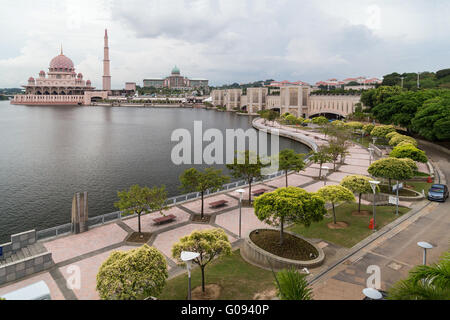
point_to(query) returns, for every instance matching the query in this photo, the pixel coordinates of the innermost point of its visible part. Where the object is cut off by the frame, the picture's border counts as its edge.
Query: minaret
(106, 66)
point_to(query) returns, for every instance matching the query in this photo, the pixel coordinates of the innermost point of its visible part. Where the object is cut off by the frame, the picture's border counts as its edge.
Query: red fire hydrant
(429, 180)
(371, 224)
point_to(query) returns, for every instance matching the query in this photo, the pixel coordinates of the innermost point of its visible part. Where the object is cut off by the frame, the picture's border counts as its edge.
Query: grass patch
(421, 174)
(238, 279)
(358, 226)
(419, 186)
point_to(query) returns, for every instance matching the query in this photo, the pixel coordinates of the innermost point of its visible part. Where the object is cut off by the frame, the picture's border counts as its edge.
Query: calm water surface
(50, 153)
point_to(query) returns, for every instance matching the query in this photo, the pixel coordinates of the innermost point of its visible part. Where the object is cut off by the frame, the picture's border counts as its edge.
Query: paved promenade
(86, 252)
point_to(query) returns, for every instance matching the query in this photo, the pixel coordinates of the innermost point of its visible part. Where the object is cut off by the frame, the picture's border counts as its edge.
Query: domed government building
(176, 81)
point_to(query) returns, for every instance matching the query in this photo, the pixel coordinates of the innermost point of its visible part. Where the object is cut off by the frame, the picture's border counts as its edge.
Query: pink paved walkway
(76, 245)
(101, 239)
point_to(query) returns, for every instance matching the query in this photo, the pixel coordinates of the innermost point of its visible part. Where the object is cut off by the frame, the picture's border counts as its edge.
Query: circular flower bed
(263, 249)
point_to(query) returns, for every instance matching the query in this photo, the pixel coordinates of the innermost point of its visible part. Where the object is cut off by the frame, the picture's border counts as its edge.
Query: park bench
(164, 219)
(259, 192)
(218, 204)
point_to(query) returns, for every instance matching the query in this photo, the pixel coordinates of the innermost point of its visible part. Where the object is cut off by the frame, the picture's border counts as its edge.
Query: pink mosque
(61, 85)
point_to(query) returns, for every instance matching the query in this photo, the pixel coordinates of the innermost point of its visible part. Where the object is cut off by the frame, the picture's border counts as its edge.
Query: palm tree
(425, 283)
(292, 285)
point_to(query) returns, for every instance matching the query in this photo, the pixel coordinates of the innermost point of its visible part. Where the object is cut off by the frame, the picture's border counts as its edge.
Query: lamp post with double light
(374, 185)
(188, 257)
(241, 196)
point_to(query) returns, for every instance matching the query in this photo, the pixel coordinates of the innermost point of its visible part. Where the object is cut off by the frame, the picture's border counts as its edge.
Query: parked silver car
(438, 192)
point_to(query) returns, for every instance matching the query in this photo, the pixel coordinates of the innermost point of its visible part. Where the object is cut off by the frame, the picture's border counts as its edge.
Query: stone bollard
(80, 214)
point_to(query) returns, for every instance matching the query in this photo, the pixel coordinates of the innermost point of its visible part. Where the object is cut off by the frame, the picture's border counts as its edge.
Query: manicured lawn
(238, 279)
(358, 226)
(419, 186)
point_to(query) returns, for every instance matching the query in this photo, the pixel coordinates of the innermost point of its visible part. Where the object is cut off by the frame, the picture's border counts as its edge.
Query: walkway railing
(115, 216)
(66, 229)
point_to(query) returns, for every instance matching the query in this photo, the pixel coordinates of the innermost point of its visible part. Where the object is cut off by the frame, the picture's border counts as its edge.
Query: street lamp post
(325, 170)
(188, 257)
(374, 140)
(425, 246)
(241, 196)
(374, 185)
(372, 294)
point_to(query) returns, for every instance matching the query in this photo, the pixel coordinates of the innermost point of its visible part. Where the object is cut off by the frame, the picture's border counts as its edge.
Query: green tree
(425, 283)
(392, 134)
(139, 200)
(409, 151)
(292, 285)
(400, 109)
(335, 150)
(385, 92)
(382, 131)
(357, 184)
(354, 125)
(320, 121)
(321, 156)
(210, 180)
(336, 195)
(270, 115)
(399, 138)
(249, 168)
(289, 204)
(290, 161)
(208, 243)
(368, 128)
(411, 163)
(391, 168)
(432, 120)
(134, 275)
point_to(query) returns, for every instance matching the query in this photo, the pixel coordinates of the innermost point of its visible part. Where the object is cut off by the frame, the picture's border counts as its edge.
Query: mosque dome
(88, 83)
(61, 62)
(175, 70)
(30, 79)
(80, 76)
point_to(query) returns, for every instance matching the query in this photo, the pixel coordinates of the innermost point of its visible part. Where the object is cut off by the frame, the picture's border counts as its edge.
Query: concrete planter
(253, 254)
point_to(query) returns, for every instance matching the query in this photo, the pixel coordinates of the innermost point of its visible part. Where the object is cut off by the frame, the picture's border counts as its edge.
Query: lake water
(50, 153)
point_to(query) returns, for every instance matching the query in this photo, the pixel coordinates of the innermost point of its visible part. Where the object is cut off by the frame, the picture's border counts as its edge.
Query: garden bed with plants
(292, 248)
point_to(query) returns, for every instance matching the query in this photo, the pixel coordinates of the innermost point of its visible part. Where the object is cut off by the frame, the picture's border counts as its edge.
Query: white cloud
(225, 40)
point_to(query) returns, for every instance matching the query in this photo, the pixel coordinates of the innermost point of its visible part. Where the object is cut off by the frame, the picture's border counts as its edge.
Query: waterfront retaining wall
(22, 268)
(18, 241)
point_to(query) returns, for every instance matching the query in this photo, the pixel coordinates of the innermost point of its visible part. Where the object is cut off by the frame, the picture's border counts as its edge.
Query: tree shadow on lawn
(358, 228)
(238, 279)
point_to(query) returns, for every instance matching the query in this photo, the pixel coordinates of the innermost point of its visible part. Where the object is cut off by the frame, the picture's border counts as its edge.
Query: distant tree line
(425, 112)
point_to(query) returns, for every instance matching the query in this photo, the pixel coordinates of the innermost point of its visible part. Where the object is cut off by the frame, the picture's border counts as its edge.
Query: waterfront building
(299, 100)
(176, 81)
(359, 83)
(60, 86)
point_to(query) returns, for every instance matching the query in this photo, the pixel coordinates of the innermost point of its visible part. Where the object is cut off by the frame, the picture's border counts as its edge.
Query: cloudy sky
(225, 40)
